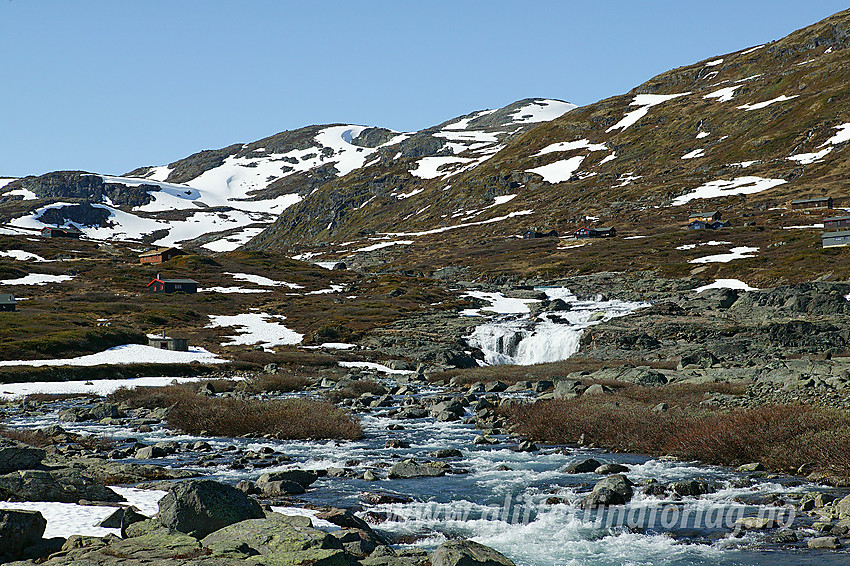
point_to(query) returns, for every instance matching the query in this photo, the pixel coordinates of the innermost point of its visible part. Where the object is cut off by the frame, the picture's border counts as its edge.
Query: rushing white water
(489, 503)
(550, 337)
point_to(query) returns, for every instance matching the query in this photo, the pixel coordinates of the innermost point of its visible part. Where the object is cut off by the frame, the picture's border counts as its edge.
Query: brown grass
(278, 383)
(782, 437)
(288, 419)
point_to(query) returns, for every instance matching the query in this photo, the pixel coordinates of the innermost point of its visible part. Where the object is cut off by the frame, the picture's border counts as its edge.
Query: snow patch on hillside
(256, 328)
(21, 255)
(127, 354)
(724, 94)
(383, 245)
(230, 243)
(645, 101)
(568, 146)
(559, 171)
(766, 103)
(841, 136)
(464, 225)
(694, 154)
(741, 252)
(726, 284)
(541, 111)
(37, 279)
(721, 188)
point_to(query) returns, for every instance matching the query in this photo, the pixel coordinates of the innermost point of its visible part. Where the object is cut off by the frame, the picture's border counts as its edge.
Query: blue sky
(109, 86)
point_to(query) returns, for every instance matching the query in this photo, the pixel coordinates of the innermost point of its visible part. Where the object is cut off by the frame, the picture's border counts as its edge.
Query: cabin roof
(818, 199)
(704, 214)
(835, 234)
(159, 251)
(173, 281)
(836, 218)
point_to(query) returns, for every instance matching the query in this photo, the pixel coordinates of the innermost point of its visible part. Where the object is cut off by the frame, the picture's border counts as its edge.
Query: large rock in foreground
(200, 507)
(278, 539)
(16, 456)
(19, 530)
(467, 553)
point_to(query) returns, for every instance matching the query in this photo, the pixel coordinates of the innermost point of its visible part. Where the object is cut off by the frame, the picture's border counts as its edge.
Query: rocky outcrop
(88, 187)
(467, 553)
(19, 530)
(64, 485)
(16, 456)
(200, 507)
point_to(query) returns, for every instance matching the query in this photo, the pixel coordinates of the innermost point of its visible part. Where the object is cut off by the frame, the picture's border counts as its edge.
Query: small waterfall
(553, 336)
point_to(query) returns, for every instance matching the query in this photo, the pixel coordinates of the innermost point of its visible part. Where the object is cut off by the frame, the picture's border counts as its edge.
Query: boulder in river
(303, 477)
(467, 553)
(411, 469)
(585, 467)
(613, 490)
(19, 530)
(200, 507)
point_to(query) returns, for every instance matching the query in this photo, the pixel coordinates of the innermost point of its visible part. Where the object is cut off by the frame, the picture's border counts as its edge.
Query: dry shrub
(151, 397)
(782, 437)
(288, 419)
(355, 389)
(278, 383)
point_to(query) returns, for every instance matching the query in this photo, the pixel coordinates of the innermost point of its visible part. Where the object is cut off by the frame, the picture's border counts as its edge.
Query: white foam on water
(556, 336)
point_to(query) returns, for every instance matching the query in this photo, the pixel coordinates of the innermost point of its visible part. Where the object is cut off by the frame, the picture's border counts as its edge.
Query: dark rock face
(467, 553)
(19, 530)
(84, 214)
(200, 507)
(83, 186)
(16, 456)
(64, 485)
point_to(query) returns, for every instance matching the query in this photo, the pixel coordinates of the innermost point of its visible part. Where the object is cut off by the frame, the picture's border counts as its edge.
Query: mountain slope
(745, 132)
(218, 199)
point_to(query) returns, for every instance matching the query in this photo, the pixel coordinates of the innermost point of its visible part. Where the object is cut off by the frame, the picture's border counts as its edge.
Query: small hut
(8, 302)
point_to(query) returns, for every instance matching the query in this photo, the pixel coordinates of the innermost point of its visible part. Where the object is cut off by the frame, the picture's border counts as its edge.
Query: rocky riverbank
(351, 512)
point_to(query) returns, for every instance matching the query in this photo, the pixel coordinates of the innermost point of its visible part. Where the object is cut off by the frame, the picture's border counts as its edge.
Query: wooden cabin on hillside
(821, 202)
(706, 217)
(836, 222)
(585, 232)
(8, 303)
(173, 286)
(166, 343)
(54, 232)
(532, 233)
(160, 255)
(703, 225)
(835, 239)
